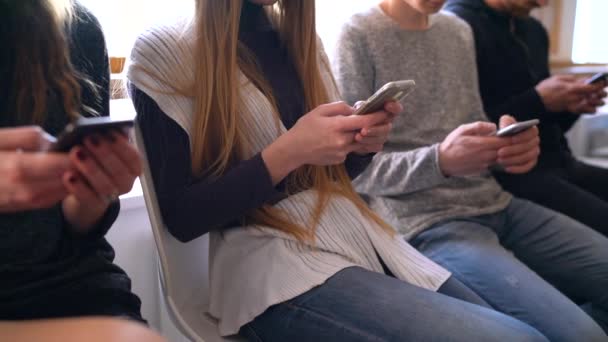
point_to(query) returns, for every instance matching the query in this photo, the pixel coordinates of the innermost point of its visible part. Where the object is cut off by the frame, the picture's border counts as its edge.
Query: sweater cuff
(437, 175)
(535, 102)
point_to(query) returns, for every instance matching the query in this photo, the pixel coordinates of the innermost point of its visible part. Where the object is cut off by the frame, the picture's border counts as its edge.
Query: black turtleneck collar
(254, 18)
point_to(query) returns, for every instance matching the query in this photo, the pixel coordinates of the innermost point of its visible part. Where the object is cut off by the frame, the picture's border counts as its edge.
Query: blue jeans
(359, 305)
(518, 261)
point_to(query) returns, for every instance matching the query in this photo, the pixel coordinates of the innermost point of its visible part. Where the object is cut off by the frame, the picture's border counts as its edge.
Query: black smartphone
(600, 76)
(74, 133)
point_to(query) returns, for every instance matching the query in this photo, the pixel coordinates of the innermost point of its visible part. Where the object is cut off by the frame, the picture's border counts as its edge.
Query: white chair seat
(183, 269)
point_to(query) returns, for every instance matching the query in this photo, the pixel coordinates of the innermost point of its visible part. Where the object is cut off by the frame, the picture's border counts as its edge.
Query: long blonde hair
(218, 134)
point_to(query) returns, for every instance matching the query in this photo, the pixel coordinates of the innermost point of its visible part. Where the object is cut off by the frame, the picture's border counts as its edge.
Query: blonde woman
(56, 208)
(247, 143)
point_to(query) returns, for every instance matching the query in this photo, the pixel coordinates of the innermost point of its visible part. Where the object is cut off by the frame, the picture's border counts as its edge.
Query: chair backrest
(183, 267)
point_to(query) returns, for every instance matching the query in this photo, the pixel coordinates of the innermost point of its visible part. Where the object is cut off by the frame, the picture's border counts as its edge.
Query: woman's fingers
(37, 195)
(393, 107)
(381, 130)
(80, 188)
(357, 122)
(374, 135)
(33, 167)
(114, 167)
(126, 152)
(28, 138)
(93, 174)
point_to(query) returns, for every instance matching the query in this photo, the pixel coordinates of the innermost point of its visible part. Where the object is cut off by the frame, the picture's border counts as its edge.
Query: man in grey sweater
(432, 180)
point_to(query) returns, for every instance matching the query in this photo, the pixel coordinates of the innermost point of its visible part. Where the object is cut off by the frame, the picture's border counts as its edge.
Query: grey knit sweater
(404, 183)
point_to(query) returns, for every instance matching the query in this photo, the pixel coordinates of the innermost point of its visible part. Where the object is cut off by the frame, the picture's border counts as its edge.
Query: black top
(512, 58)
(45, 269)
(192, 207)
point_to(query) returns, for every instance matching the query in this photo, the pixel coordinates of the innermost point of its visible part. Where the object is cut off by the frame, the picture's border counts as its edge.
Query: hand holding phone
(516, 128)
(75, 133)
(392, 91)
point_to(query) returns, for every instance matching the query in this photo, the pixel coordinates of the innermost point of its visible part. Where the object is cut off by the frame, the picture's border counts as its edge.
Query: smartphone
(517, 127)
(74, 133)
(392, 91)
(601, 76)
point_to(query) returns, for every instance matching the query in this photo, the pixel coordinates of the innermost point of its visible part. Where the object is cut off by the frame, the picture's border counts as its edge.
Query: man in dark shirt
(512, 51)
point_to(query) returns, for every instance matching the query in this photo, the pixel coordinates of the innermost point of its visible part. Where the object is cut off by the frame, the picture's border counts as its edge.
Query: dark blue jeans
(359, 305)
(519, 260)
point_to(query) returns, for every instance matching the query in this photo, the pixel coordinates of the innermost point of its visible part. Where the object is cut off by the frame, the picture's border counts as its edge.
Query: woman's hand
(372, 139)
(324, 136)
(521, 155)
(106, 167)
(29, 179)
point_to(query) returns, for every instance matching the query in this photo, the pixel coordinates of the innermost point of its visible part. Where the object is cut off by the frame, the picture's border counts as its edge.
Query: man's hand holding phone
(569, 93)
(521, 153)
(472, 149)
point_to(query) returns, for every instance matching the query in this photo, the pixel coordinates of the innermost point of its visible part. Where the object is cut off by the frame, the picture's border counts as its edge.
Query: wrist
(443, 163)
(82, 217)
(541, 94)
(281, 158)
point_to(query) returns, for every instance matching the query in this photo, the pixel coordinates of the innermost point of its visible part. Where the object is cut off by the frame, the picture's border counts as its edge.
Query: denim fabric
(575, 189)
(359, 305)
(518, 261)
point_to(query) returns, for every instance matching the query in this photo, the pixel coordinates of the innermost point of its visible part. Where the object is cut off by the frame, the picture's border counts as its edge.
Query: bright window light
(124, 20)
(591, 26)
(332, 14)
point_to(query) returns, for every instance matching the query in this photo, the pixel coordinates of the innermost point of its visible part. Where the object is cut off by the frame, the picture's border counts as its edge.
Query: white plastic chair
(184, 287)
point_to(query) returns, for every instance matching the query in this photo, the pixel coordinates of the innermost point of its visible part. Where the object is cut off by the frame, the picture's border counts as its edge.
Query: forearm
(190, 206)
(398, 173)
(207, 205)
(280, 159)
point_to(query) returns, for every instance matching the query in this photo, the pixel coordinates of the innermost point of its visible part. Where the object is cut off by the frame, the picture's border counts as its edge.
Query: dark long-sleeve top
(45, 269)
(192, 207)
(512, 58)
